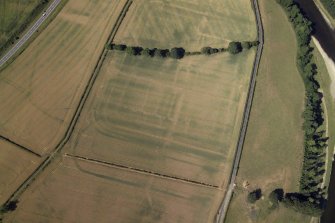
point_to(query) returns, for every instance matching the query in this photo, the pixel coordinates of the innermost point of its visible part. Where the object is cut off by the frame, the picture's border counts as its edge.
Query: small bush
(120, 47)
(235, 47)
(177, 53)
(11, 206)
(134, 50)
(131, 50)
(275, 197)
(246, 45)
(147, 52)
(160, 53)
(209, 50)
(206, 50)
(109, 46)
(254, 196)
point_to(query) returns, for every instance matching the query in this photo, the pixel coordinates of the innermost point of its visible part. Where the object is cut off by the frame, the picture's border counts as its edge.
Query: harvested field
(180, 118)
(79, 191)
(191, 24)
(15, 166)
(41, 88)
(171, 118)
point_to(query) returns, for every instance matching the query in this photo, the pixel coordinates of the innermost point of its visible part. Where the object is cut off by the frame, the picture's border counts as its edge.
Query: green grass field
(273, 150)
(191, 24)
(15, 13)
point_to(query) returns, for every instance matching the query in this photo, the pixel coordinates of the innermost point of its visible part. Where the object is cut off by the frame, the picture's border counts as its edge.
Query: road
(76, 115)
(230, 189)
(30, 32)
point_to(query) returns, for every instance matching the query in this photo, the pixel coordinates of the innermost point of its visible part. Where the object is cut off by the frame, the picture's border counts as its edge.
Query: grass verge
(33, 37)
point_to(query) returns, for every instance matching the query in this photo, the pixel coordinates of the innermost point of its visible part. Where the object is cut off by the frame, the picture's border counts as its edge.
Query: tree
(177, 53)
(246, 45)
(158, 53)
(276, 196)
(131, 50)
(147, 52)
(254, 196)
(120, 47)
(11, 206)
(206, 50)
(209, 50)
(235, 47)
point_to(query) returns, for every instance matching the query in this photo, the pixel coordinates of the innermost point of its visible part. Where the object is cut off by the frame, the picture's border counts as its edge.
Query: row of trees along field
(310, 199)
(179, 52)
(330, 6)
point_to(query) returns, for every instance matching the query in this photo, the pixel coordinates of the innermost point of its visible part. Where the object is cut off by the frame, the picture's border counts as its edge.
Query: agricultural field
(162, 132)
(42, 87)
(180, 118)
(15, 166)
(15, 14)
(78, 191)
(273, 149)
(191, 24)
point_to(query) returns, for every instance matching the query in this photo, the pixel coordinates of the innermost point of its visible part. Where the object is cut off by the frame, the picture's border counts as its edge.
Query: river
(326, 37)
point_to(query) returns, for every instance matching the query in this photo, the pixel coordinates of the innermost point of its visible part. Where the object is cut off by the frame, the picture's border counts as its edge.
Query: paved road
(224, 206)
(30, 32)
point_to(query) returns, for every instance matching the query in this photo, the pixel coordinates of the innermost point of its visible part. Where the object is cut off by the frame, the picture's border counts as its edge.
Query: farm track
(77, 113)
(222, 212)
(142, 171)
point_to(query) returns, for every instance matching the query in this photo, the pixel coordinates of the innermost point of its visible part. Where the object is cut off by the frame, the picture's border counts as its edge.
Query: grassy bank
(328, 106)
(326, 14)
(273, 149)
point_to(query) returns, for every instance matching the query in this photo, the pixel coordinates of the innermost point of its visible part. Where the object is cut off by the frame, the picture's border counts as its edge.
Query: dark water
(322, 31)
(326, 37)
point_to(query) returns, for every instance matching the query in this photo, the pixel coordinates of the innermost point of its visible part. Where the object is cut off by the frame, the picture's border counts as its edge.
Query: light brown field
(173, 117)
(191, 24)
(41, 88)
(180, 118)
(78, 191)
(15, 166)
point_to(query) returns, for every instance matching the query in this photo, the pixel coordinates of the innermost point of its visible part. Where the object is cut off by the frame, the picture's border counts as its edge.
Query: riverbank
(328, 18)
(330, 65)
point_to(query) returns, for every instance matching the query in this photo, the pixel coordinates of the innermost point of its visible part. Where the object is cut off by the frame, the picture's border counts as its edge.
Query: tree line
(299, 202)
(310, 197)
(234, 47)
(330, 6)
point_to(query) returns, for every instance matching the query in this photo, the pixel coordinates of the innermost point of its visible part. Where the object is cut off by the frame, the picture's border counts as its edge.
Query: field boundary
(20, 146)
(16, 194)
(142, 171)
(230, 187)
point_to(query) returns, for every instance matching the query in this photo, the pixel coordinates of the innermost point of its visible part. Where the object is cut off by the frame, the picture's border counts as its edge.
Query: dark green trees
(275, 197)
(310, 197)
(254, 196)
(234, 47)
(177, 53)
